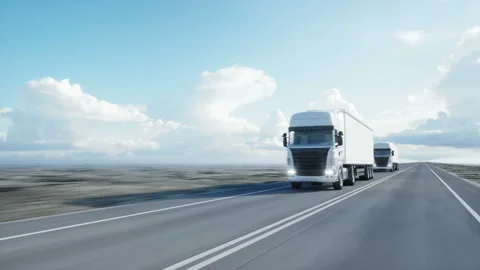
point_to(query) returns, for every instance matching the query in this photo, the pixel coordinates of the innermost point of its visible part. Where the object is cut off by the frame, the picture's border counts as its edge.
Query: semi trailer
(386, 156)
(329, 147)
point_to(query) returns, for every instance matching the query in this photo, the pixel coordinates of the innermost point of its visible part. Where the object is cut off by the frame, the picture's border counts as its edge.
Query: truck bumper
(312, 179)
(376, 168)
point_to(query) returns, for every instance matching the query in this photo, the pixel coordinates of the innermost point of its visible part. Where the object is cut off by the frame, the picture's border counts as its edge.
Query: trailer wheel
(339, 184)
(366, 173)
(351, 177)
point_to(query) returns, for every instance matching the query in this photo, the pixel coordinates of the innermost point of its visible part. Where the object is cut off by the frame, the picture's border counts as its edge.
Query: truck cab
(386, 156)
(316, 150)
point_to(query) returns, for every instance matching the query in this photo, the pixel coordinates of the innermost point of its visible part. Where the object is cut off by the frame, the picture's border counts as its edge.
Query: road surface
(418, 218)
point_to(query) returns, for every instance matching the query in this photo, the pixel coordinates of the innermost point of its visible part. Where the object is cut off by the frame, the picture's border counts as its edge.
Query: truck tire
(396, 166)
(372, 174)
(295, 185)
(351, 177)
(339, 184)
(366, 173)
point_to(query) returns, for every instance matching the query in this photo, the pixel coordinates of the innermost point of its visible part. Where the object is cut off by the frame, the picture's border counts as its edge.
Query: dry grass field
(470, 172)
(37, 191)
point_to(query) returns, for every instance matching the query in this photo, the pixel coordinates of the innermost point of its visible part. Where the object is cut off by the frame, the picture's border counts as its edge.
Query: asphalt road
(420, 218)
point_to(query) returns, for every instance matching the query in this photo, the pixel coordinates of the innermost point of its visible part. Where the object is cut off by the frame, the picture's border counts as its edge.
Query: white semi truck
(386, 156)
(328, 147)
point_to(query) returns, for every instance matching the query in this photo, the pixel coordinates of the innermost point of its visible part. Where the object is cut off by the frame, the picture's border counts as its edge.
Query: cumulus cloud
(62, 99)
(457, 125)
(410, 37)
(223, 91)
(333, 99)
(59, 115)
(5, 110)
(270, 136)
(468, 43)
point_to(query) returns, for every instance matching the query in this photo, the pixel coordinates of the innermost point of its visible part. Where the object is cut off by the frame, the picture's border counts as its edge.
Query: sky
(216, 81)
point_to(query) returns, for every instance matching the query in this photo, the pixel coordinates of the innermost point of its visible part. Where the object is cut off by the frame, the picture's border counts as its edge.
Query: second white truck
(328, 147)
(386, 156)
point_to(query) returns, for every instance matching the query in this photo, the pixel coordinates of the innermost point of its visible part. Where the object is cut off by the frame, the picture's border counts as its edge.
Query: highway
(417, 218)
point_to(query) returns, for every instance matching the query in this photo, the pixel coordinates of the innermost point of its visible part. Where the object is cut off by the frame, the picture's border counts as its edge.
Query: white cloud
(413, 99)
(471, 34)
(410, 37)
(5, 110)
(270, 136)
(439, 154)
(478, 61)
(443, 69)
(469, 42)
(58, 115)
(456, 125)
(424, 105)
(61, 99)
(333, 99)
(227, 89)
(3, 136)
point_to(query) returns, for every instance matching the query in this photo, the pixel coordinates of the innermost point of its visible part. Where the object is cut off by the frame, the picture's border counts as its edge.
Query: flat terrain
(418, 218)
(37, 191)
(469, 172)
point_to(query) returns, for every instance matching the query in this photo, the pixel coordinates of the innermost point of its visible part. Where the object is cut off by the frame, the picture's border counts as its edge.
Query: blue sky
(379, 56)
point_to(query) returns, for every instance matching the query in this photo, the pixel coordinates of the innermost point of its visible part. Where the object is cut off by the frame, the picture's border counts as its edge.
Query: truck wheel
(372, 174)
(339, 184)
(396, 166)
(296, 185)
(351, 177)
(366, 173)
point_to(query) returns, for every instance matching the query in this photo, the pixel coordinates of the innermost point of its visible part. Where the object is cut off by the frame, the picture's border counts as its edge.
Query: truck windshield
(311, 137)
(381, 152)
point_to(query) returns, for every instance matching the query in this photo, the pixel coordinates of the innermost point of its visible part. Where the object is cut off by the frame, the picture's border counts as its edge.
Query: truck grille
(310, 162)
(381, 161)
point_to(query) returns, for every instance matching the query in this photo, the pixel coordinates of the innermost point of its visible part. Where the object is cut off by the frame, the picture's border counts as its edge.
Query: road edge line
(86, 211)
(134, 215)
(475, 184)
(464, 204)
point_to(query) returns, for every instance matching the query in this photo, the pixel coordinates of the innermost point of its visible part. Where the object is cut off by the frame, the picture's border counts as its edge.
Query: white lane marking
(477, 185)
(137, 214)
(469, 209)
(186, 196)
(235, 241)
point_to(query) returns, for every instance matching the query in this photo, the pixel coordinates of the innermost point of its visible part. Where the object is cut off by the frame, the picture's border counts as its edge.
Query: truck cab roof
(313, 118)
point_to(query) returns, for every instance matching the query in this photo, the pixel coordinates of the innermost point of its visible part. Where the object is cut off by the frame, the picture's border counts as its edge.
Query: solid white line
(136, 214)
(185, 196)
(235, 241)
(477, 185)
(469, 209)
(265, 235)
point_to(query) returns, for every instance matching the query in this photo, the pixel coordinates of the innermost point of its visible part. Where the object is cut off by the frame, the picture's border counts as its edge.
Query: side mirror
(339, 141)
(393, 153)
(284, 135)
(340, 133)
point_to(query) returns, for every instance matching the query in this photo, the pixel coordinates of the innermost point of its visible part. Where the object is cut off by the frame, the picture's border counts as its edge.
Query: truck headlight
(291, 172)
(374, 165)
(329, 172)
